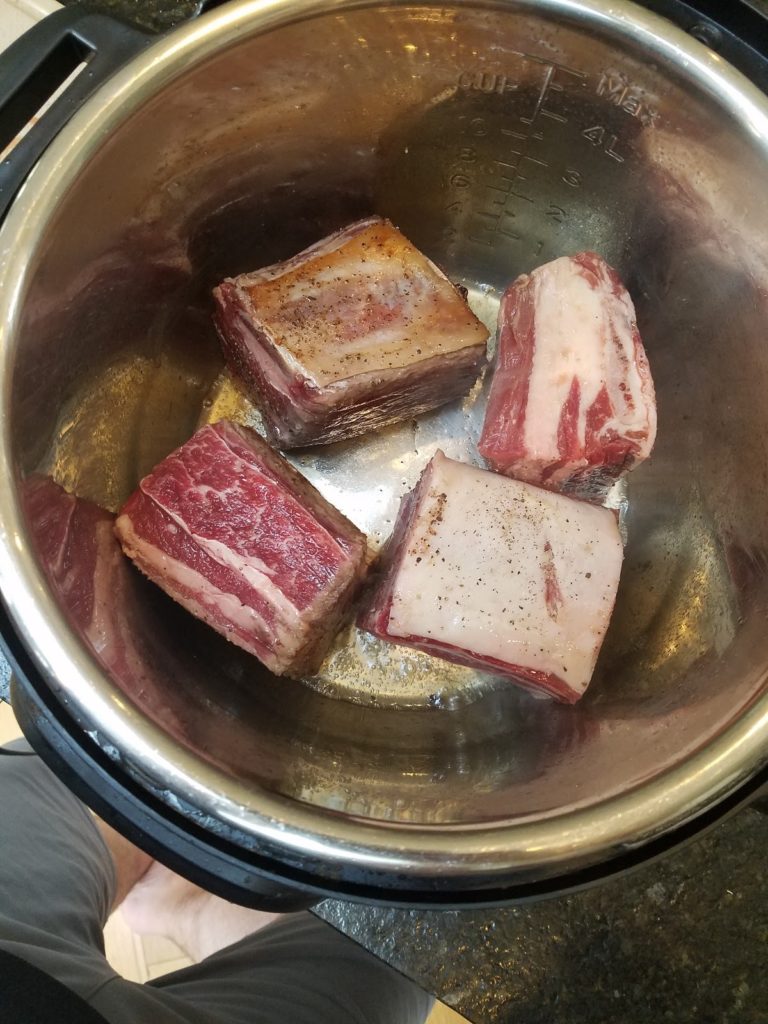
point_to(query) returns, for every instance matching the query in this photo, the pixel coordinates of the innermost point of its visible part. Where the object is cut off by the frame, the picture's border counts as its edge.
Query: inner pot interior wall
(495, 140)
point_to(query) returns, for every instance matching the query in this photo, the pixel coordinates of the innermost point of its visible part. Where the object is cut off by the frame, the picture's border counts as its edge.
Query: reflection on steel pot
(497, 136)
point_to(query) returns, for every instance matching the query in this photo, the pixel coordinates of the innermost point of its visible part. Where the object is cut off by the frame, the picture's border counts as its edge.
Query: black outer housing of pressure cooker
(211, 854)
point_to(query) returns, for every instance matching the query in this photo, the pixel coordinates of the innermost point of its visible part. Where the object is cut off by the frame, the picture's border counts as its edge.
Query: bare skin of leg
(155, 901)
(164, 903)
(130, 862)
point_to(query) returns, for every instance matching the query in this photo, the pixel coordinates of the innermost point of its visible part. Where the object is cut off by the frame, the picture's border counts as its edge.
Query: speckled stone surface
(682, 940)
(151, 15)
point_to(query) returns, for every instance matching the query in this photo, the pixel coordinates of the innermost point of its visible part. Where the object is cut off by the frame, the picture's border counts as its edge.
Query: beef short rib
(239, 538)
(356, 332)
(572, 404)
(500, 576)
(75, 542)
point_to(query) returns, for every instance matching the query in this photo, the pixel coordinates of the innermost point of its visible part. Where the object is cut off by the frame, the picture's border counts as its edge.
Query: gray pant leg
(308, 973)
(57, 879)
(57, 883)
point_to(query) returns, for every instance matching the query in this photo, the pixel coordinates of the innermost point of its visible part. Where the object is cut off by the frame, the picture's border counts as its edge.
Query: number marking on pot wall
(500, 189)
(504, 174)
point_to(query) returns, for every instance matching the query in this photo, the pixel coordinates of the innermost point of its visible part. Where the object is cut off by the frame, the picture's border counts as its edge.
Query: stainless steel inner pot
(497, 136)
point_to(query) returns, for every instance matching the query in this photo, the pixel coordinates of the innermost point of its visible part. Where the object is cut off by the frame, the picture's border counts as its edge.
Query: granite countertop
(683, 939)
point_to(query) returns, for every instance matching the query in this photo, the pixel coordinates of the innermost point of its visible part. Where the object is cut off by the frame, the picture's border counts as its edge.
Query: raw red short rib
(356, 332)
(76, 545)
(572, 404)
(233, 533)
(501, 576)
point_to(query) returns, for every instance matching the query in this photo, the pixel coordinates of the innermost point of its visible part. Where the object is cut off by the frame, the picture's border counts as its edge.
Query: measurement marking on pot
(618, 90)
(535, 160)
(492, 193)
(537, 136)
(604, 140)
(487, 82)
(498, 164)
(572, 177)
(501, 82)
(555, 213)
(553, 116)
(501, 182)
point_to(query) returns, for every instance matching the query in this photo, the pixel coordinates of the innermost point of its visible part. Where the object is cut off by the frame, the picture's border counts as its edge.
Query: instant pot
(496, 135)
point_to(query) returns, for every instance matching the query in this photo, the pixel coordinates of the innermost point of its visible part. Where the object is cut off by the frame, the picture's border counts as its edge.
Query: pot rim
(294, 831)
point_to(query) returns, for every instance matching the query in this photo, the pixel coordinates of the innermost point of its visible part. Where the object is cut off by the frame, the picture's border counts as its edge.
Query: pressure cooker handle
(36, 65)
